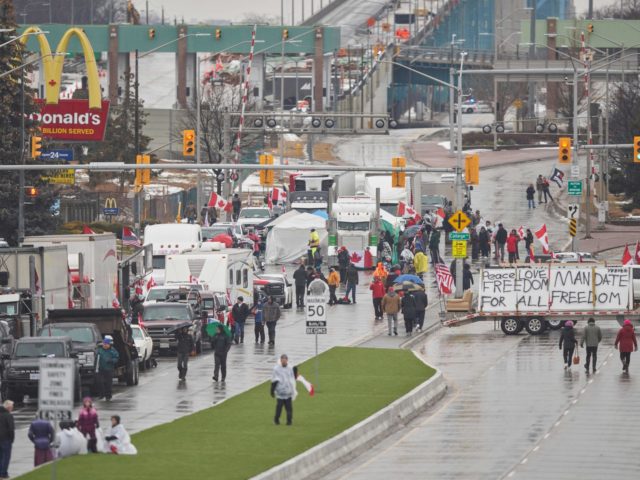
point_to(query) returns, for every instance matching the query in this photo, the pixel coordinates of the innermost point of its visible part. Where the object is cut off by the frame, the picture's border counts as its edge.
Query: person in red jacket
(626, 343)
(512, 246)
(377, 292)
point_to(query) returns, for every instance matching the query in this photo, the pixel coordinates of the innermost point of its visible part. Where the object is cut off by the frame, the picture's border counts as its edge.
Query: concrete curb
(362, 436)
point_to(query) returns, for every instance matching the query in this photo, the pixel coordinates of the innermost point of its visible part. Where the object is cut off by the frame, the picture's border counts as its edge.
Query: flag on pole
(558, 177)
(130, 238)
(217, 201)
(270, 200)
(278, 196)
(151, 283)
(438, 221)
(532, 257)
(543, 238)
(405, 210)
(627, 259)
(636, 257)
(444, 279)
(521, 232)
(86, 230)
(308, 385)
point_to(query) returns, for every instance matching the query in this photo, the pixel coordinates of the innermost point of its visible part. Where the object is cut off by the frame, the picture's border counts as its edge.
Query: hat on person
(107, 340)
(241, 298)
(568, 323)
(627, 322)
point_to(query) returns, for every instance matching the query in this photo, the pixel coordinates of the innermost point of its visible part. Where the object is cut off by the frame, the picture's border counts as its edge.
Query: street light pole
(459, 179)
(21, 174)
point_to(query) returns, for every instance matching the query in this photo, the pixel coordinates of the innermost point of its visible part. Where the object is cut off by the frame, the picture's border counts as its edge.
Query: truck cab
(161, 320)
(22, 373)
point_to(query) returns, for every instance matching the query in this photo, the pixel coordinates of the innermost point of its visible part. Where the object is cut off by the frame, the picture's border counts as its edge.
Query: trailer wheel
(555, 324)
(511, 326)
(534, 326)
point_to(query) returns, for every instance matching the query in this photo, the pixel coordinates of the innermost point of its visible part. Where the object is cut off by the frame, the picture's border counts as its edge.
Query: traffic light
(266, 176)
(472, 169)
(138, 181)
(36, 146)
(285, 34)
(152, 33)
(188, 143)
(590, 28)
(143, 176)
(31, 192)
(218, 33)
(636, 149)
(564, 150)
(398, 178)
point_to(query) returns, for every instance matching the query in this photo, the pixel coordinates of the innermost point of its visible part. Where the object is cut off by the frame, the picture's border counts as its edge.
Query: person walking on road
(530, 196)
(7, 436)
(377, 293)
(352, 282)
(512, 246)
(240, 312)
(221, 343)
(545, 190)
(467, 277)
(334, 282)
(434, 246)
(591, 336)
(87, 424)
(300, 280)
(283, 386)
(258, 323)
(568, 343)
(420, 263)
(41, 434)
(501, 240)
(539, 187)
(391, 305)
(107, 361)
(343, 262)
(236, 205)
(626, 343)
(271, 315)
(484, 241)
(408, 311)
(184, 349)
(421, 301)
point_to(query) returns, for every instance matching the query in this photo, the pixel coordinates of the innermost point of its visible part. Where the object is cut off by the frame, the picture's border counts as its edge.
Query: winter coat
(421, 263)
(530, 193)
(528, 241)
(377, 289)
(483, 238)
(568, 338)
(434, 240)
(122, 441)
(107, 359)
(409, 306)
(300, 277)
(391, 303)
(626, 339)
(88, 421)
(467, 279)
(512, 243)
(271, 312)
(185, 343)
(592, 335)
(539, 184)
(352, 275)
(501, 235)
(221, 344)
(343, 258)
(334, 279)
(41, 434)
(421, 300)
(7, 427)
(283, 383)
(240, 312)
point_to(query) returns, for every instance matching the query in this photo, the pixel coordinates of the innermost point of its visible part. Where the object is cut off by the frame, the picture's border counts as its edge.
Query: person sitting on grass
(118, 440)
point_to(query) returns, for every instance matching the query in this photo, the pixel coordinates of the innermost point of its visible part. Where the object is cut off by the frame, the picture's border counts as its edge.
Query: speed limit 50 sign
(316, 315)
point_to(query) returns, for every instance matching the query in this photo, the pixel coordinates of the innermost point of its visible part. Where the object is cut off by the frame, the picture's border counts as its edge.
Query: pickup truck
(22, 372)
(161, 320)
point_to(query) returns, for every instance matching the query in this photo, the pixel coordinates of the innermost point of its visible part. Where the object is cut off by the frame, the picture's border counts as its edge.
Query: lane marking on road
(557, 423)
(547, 435)
(582, 391)
(536, 448)
(575, 401)
(513, 472)
(566, 412)
(524, 460)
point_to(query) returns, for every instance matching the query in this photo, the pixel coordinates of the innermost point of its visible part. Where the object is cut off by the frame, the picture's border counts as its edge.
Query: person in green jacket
(107, 362)
(434, 246)
(592, 336)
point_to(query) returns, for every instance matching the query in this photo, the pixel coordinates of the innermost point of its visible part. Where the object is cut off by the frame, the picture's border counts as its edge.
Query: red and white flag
(86, 230)
(444, 279)
(278, 196)
(521, 232)
(405, 210)
(636, 257)
(193, 279)
(543, 238)
(219, 66)
(438, 220)
(308, 385)
(532, 257)
(217, 201)
(151, 283)
(627, 259)
(361, 259)
(270, 200)
(130, 238)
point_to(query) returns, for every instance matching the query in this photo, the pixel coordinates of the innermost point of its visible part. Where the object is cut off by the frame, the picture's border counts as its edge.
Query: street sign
(575, 171)
(573, 211)
(66, 155)
(573, 227)
(574, 187)
(317, 331)
(459, 248)
(56, 386)
(458, 236)
(316, 323)
(61, 177)
(316, 309)
(110, 207)
(459, 221)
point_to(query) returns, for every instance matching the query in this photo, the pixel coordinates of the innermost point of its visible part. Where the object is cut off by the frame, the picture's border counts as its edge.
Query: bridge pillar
(185, 71)
(553, 93)
(257, 80)
(117, 64)
(318, 70)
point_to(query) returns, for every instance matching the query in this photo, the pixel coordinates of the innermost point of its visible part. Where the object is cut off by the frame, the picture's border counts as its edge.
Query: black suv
(22, 371)
(161, 320)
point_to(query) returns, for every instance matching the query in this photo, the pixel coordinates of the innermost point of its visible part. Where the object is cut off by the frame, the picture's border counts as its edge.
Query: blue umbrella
(322, 214)
(411, 231)
(409, 278)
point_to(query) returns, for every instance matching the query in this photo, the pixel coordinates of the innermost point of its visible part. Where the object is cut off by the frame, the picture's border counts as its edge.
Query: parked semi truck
(168, 239)
(538, 297)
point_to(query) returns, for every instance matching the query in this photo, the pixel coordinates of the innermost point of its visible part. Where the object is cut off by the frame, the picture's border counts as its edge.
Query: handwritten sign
(541, 289)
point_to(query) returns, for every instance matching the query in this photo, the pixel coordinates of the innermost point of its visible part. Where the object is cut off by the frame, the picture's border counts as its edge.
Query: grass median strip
(237, 439)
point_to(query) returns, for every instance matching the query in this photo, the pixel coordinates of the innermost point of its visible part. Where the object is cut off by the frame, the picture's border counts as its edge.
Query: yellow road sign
(62, 177)
(573, 227)
(459, 221)
(459, 248)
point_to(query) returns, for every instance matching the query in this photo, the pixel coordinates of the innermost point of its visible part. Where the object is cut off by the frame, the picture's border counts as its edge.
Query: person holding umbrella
(184, 349)
(221, 343)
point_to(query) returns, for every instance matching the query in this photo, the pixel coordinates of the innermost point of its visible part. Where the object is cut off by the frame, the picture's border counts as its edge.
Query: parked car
(159, 292)
(227, 228)
(278, 287)
(252, 216)
(161, 320)
(144, 345)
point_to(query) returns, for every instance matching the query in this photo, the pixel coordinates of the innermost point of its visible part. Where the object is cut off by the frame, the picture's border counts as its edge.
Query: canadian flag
(521, 232)
(278, 195)
(438, 220)
(627, 259)
(532, 257)
(86, 230)
(405, 210)
(219, 66)
(543, 238)
(193, 279)
(217, 201)
(308, 385)
(151, 283)
(361, 259)
(636, 257)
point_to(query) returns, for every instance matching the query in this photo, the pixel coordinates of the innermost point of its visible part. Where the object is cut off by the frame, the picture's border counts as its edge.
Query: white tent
(288, 240)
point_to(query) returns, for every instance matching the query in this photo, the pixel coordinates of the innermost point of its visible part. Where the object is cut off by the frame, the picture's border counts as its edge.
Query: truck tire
(511, 326)
(534, 325)
(198, 347)
(555, 324)
(131, 375)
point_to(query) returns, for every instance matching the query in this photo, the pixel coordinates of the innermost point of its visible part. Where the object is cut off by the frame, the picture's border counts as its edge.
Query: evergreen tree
(38, 214)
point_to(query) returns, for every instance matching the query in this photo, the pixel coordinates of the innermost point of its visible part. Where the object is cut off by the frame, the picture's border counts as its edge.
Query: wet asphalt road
(512, 411)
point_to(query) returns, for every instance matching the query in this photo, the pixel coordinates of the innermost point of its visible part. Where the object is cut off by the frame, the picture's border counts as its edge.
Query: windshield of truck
(211, 232)
(208, 304)
(48, 349)
(433, 200)
(77, 334)
(158, 262)
(254, 213)
(165, 312)
(157, 294)
(390, 208)
(9, 308)
(353, 226)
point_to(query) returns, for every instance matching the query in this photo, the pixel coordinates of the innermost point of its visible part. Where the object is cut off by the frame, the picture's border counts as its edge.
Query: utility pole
(22, 160)
(532, 52)
(136, 140)
(459, 179)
